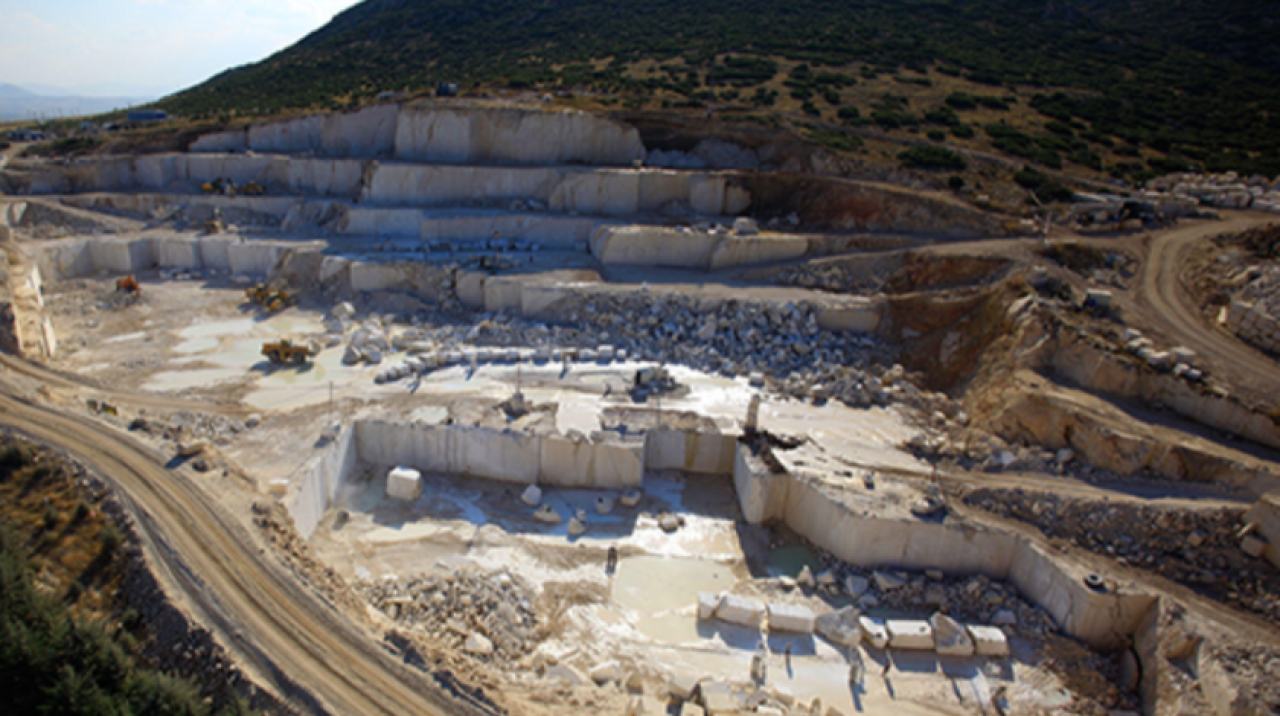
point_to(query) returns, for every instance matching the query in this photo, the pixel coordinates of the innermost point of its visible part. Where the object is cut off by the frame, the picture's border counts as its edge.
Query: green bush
(936, 135)
(961, 100)
(932, 158)
(51, 663)
(840, 141)
(1045, 189)
(945, 116)
(962, 131)
(955, 182)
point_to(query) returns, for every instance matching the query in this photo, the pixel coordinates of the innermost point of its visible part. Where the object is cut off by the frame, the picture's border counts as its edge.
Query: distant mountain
(9, 91)
(18, 103)
(1194, 78)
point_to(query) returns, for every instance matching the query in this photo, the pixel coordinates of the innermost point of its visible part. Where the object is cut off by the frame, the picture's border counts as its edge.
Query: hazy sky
(146, 47)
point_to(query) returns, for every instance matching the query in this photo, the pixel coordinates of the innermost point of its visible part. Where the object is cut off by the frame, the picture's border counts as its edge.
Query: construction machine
(129, 285)
(219, 186)
(272, 299)
(285, 352)
(253, 188)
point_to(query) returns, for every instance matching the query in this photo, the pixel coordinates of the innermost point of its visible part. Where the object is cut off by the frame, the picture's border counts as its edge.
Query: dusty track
(287, 638)
(1164, 298)
(150, 401)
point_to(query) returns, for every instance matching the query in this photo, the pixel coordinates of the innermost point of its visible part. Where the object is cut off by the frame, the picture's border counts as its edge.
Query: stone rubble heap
(1203, 549)
(1225, 191)
(1254, 313)
(781, 345)
(488, 615)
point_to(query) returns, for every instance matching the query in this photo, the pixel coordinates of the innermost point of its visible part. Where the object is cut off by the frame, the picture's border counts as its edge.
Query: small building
(447, 89)
(26, 135)
(147, 116)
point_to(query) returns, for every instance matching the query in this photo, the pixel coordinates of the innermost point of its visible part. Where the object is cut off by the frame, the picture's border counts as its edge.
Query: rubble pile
(779, 345)
(185, 426)
(1202, 549)
(1226, 191)
(1254, 313)
(488, 615)
(832, 277)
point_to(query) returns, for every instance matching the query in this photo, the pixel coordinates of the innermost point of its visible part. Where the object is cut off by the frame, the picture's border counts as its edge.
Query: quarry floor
(195, 346)
(197, 340)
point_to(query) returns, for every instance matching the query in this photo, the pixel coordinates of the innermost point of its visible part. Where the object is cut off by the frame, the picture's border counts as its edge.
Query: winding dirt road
(1164, 299)
(285, 636)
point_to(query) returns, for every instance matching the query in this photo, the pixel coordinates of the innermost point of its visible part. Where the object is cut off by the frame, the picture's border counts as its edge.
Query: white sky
(145, 47)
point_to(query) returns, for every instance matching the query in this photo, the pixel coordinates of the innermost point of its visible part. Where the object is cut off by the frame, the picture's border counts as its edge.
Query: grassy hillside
(1180, 82)
(68, 645)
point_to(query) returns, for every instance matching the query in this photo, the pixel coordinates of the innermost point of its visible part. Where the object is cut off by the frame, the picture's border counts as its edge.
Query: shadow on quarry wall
(847, 205)
(921, 273)
(945, 337)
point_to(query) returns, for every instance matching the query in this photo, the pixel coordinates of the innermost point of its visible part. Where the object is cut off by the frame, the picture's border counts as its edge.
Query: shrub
(956, 182)
(961, 100)
(932, 158)
(936, 135)
(839, 141)
(962, 131)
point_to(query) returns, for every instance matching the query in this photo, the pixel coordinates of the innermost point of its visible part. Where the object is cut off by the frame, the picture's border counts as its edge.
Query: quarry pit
(639, 438)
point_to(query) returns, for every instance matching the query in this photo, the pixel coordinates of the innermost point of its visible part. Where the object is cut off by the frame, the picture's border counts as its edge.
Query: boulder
(631, 499)
(1005, 617)
(874, 631)
(840, 627)
(949, 637)
(856, 586)
(606, 673)
(604, 505)
(1253, 545)
(745, 226)
(683, 686)
(532, 496)
(547, 515)
(805, 578)
(576, 527)
(567, 674)
(708, 602)
(478, 644)
(887, 582)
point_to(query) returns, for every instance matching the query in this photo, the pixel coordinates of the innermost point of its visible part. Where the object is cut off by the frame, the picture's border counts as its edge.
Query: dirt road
(282, 634)
(1164, 299)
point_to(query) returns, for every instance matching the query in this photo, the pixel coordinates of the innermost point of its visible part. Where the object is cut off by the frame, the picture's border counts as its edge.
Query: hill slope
(1191, 82)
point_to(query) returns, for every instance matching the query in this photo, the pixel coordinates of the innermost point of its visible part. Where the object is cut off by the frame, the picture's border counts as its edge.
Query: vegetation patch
(63, 649)
(925, 157)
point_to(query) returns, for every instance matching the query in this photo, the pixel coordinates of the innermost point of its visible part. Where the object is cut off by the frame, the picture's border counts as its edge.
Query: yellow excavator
(272, 299)
(286, 352)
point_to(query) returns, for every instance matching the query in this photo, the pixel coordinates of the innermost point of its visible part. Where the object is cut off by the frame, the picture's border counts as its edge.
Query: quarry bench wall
(561, 189)
(1101, 619)
(444, 134)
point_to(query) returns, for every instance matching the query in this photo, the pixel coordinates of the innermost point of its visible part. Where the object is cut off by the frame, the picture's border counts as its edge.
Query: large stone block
(741, 610)
(791, 618)
(915, 634)
(988, 641)
(404, 484)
